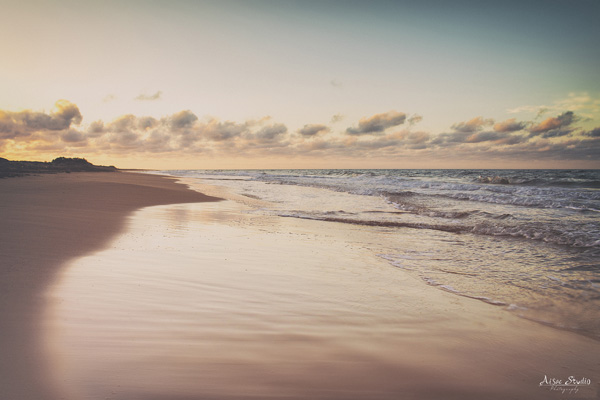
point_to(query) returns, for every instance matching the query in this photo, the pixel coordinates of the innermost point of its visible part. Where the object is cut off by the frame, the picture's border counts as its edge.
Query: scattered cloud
(146, 123)
(449, 139)
(336, 83)
(24, 123)
(586, 105)
(496, 137)
(151, 97)
(61, 132)
(96, 129)
(182, 119)
(474, 125)
(510, 125)
(221, 131)
(524, 109)
(412, 140)
(377, 123)
(485, 137)
(414, 119)
(454, 139)
(595, 133)
(65, 113)
(313, 130)
(540, 113)
(124, 123)
(271, 132)
(554, 126)
(73, 136)
(125, 140)
(109, 98)
(336, 118)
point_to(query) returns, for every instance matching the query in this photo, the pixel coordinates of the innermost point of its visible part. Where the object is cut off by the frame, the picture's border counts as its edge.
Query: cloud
(8, 128)
(525, 109)
(471, 132)
(336, 83)
(474, 125)
(124, 123)
(182, 133)
(96, 128)
(485, 137)
(512, 140)
(109, 98)
(146, 123)
(545, 149)
(336, 118)
(583, 103)
(414, 119)
(182, 119)
(377, 123)
(313, 130)
(554, 126)
(510, 125)
(450, 139)
(158, 142)
(67, 112)
(556, 133)
(73, 136)
(391, 145)
(412, 140)
(152, 97)
(24, 123)
(271, 132)
(221, 131)
(496, 137)
(577, 101)
(595, 133)
(541, 112)
(126, 139)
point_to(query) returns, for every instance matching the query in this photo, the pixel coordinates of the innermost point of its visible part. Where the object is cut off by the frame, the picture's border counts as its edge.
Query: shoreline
(206, 301)
(46, 221)
(430, 344)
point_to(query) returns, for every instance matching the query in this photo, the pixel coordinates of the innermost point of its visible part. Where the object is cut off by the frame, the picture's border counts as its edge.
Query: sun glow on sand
(311, 315)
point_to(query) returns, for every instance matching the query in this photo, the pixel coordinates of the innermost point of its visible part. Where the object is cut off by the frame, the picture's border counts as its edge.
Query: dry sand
(45, 221)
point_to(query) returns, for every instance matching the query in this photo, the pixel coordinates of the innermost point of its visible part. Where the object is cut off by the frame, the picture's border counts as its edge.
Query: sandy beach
(127, 286)
(300, 200)
(46, 221)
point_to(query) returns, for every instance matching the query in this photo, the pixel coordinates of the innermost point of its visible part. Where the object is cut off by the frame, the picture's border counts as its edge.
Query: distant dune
(60, 164)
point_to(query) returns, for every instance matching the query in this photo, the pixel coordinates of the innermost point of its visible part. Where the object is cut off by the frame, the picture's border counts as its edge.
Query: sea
(527, 241)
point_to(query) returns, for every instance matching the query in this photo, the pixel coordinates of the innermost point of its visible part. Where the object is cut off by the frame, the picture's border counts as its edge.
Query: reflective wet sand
(46, 221)
(204, 301)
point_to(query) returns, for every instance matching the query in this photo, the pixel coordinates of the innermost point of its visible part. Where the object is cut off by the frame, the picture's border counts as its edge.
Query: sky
(302, 84)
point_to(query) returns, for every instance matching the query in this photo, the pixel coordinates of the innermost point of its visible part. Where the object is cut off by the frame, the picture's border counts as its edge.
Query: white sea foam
(494, 242)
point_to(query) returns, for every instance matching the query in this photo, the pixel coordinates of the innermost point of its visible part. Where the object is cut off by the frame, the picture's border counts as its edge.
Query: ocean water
(524, 240)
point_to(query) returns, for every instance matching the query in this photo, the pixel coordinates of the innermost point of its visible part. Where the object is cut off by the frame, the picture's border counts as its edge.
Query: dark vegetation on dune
(58, 165)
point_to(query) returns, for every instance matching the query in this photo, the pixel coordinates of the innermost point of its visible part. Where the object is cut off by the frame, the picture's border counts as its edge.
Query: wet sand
(46, 221)
(205, 301)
